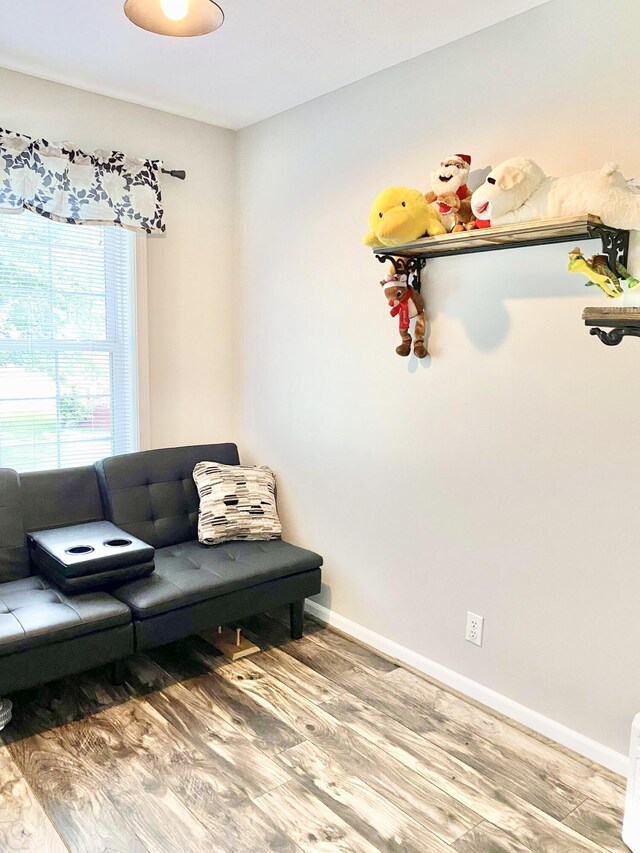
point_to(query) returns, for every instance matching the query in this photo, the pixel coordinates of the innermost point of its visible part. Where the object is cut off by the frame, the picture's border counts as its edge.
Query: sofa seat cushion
(191, 572)
(34, 613)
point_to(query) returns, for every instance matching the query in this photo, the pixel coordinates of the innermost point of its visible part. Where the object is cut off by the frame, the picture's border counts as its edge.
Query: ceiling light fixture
(175, 17)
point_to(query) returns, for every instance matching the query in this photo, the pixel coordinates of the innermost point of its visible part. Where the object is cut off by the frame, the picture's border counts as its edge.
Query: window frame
(135, 350)
(141, 334)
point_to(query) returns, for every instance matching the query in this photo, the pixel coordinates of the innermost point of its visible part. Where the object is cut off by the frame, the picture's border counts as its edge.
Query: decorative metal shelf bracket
(615, 244)
(614, 336)
(409, 266)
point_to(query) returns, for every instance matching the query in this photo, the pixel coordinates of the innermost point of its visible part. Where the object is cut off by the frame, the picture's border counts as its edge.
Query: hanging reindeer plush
(406, 303)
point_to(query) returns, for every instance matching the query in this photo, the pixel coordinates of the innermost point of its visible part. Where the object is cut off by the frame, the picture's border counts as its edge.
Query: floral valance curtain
(63, 183)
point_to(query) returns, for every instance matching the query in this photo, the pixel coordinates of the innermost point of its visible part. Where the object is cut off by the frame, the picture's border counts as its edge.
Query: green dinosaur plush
(599, 273)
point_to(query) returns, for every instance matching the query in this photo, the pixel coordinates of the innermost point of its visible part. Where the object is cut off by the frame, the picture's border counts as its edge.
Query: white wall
(191, 338)
(501, 475)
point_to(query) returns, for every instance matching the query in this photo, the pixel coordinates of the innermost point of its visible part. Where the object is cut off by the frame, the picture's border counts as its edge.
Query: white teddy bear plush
(519, 191)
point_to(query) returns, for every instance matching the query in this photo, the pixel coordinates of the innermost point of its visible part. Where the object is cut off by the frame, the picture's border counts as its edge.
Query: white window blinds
(67, 343)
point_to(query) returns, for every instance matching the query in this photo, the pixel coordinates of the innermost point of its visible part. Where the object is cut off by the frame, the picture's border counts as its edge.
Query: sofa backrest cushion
(14, 558)
(152, 494)
(60, 498)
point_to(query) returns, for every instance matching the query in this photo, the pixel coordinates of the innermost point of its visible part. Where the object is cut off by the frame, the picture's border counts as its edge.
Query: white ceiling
(268, 56)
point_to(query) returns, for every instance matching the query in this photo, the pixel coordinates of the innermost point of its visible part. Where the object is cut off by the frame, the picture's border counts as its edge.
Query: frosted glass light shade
(175, 17)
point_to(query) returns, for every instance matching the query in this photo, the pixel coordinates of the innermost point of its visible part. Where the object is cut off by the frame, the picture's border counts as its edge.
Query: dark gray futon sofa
(181, 587)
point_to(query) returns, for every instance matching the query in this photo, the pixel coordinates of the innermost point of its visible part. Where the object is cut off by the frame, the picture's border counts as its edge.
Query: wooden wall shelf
(413, 256)
(620, 321)
(410, 259)
(505, 237)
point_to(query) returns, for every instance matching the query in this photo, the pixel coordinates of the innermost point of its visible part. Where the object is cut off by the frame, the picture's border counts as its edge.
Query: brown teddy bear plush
(455, 214)
(406, 303)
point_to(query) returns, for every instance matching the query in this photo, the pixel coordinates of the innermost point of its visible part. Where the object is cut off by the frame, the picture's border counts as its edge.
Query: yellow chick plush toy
(400, 215)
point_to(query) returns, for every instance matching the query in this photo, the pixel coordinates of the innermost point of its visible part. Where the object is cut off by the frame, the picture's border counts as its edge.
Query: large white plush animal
(519, 191)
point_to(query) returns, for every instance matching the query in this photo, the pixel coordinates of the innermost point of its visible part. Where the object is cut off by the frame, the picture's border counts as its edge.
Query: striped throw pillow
(236, 502)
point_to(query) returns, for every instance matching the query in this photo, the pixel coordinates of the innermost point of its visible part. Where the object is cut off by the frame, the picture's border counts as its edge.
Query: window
(67, 343)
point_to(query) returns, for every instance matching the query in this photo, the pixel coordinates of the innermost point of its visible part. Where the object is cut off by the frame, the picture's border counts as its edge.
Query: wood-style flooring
(314, 745)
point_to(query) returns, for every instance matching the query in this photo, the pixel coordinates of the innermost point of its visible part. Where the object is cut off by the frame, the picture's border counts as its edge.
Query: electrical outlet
(475, 628)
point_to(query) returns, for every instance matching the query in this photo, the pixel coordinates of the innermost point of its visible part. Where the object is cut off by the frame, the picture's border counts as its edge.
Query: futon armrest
(90, 556)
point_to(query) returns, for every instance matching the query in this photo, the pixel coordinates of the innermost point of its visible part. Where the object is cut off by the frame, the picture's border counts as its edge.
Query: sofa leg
(117, 674)
(5, 713)
(296, 611)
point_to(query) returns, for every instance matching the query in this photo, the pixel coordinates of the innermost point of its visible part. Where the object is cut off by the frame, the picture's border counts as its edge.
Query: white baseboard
(558, 732)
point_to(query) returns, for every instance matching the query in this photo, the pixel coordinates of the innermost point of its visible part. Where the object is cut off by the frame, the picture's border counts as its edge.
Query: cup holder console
(106, 555)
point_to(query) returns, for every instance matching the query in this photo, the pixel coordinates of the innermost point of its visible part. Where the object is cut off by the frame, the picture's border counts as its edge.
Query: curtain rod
(180, 174)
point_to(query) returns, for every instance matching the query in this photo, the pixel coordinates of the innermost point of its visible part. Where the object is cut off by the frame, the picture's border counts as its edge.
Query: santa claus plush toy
(451, 179)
